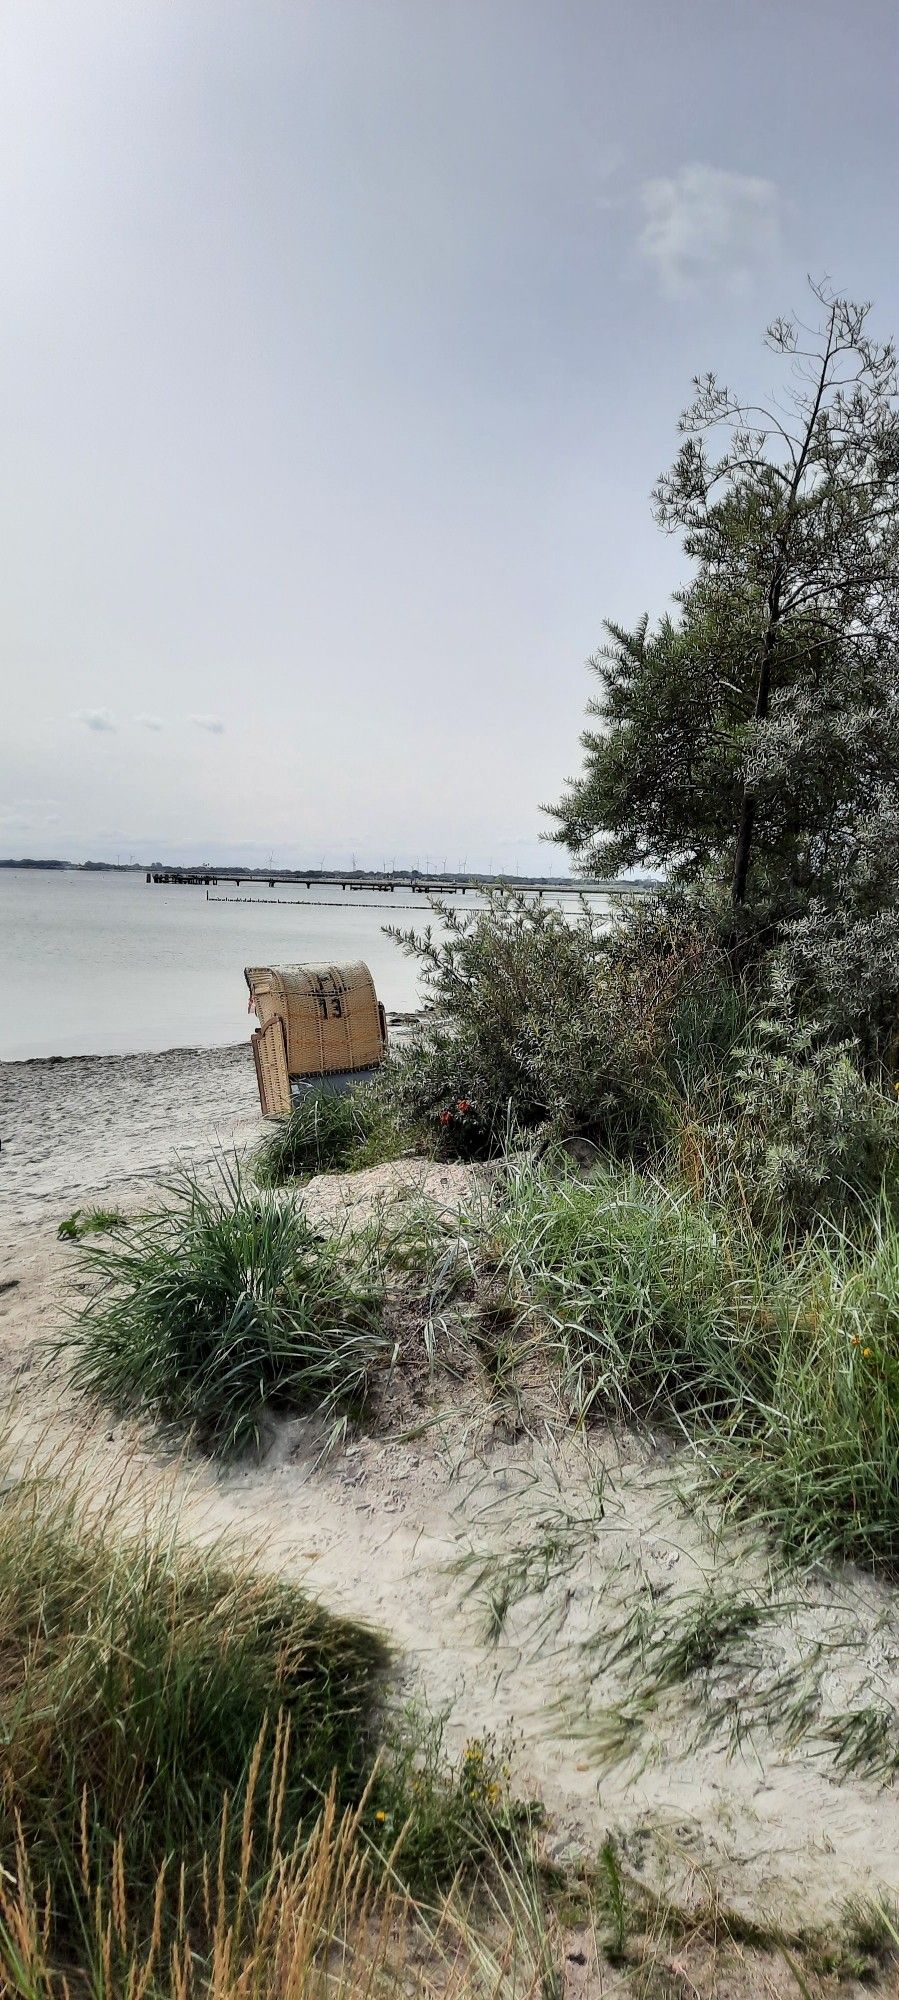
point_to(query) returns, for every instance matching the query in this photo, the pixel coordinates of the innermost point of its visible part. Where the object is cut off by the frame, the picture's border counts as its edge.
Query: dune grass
(141, 1682)
(783, 1357)
(219, 1307)
(320, 1923)
(90, 1222)
(328, 1132)
(174, 1726)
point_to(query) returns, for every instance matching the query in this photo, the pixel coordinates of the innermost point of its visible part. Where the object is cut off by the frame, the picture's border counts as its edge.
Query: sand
(422, 1526)
(89, 1125)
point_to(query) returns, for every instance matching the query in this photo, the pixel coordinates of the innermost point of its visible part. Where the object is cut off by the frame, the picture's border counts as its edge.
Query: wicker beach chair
(318, 1024)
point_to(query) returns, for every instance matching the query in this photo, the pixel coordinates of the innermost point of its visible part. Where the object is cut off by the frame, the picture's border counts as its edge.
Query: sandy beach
(84, 1125)
(405, 1525)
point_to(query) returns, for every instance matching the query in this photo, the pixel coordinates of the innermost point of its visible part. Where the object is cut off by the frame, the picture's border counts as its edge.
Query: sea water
(108, 964)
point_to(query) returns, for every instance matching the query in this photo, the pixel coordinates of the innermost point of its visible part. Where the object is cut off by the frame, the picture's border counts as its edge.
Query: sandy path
(387, 1530)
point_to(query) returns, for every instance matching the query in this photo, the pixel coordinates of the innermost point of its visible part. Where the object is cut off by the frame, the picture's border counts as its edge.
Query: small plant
(449, 1816)
(327, 1132)
(870, 1938)
(221, 1307)
(865, 1741)
(699, 1634)
(614, 1899)
(91, 1222)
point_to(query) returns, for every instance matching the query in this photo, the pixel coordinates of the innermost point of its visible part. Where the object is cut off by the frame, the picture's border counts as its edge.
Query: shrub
(842, 967)
(219, 1307)
(541, 1023)
(327, 1132)
(812, 1134)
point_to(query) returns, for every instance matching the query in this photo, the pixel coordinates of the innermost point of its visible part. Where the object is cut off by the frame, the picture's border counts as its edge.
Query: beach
(80, 1126)
(394, 1524)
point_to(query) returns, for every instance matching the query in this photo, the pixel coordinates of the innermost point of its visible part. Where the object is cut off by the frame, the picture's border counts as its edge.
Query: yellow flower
(380, 1817)
(866, 1351)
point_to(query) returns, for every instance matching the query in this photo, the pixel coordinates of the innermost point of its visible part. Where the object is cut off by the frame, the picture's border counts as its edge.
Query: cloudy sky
(342, 341)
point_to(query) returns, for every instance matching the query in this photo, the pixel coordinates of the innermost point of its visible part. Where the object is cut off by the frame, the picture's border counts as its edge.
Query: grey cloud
(705, 222)
(94, 718)
(212, 723)
(149, 721)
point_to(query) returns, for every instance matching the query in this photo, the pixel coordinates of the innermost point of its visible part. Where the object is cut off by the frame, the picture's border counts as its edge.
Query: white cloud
(211, 722)
(150, 721)
(94, 718)
(705, 222)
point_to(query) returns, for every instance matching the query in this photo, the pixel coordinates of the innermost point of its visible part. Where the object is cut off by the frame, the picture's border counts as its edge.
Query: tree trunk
(749, 806)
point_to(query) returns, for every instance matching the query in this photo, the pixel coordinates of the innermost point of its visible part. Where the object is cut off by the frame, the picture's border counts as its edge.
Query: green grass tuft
(220, 1308)
(173, 1723)
(783, 1358)
(90, 1222)
(327, 1133)
(136, 1681)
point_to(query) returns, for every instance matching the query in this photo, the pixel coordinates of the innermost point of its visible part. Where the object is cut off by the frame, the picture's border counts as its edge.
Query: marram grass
(219, 1308)
(327, 1132)
(782, 1357)
(202, 1788)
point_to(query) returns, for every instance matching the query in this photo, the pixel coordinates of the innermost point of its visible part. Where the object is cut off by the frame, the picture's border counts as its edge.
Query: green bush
(220, 1307)
(326, 1133)
(543, 1023)
(813, 1135)
(782, 1358)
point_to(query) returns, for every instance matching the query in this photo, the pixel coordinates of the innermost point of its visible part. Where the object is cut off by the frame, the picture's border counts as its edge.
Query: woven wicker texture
(270, 1057)
(330, 1013)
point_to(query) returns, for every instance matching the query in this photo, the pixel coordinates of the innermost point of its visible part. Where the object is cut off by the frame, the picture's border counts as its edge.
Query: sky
(341, 344)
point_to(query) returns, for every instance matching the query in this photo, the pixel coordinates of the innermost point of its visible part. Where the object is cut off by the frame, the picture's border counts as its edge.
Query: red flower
(445, 1117)
(464, 1105)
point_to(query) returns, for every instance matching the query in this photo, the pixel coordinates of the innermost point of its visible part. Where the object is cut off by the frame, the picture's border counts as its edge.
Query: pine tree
(753, 735)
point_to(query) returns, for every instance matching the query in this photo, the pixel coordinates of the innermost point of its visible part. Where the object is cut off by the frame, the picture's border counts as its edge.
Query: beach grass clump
(782, 1356)
(634, 1291)
(141, 1682)
(322, 1917)
(330, 1132)
(220, 1308)
(178, 1735)
(823, 1469)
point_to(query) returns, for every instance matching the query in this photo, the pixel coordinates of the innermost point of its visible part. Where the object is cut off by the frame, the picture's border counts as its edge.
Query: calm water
(105, 965)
